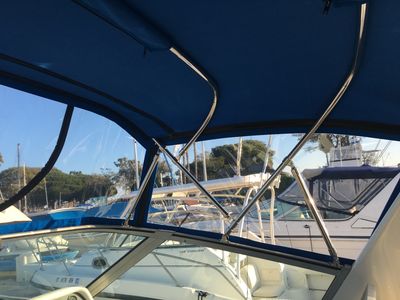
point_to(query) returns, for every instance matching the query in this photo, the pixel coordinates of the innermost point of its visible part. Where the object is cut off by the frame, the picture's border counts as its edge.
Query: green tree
(221, 161)
(126, 176)
(74, 186)
(9, 182)
(1, 159)
(324, 140)
(163, 177)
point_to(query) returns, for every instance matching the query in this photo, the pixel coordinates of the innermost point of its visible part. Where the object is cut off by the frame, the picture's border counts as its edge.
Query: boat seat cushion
(296, 279)
(267, 291)
(272, 279)
(250, 275)
(298, 294)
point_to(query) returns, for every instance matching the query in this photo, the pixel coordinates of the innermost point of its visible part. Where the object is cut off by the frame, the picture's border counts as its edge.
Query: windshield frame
(357, 204)
(155, 237)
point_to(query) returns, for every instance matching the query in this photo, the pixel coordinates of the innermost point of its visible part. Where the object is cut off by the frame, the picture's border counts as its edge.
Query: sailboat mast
(204, 161)
(25, 198)
(196, 174)
(19, 172)
(45, 192)
(267, 152)
(239, 156)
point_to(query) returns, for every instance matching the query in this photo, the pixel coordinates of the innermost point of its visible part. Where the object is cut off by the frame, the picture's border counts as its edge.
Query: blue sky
(94, 142)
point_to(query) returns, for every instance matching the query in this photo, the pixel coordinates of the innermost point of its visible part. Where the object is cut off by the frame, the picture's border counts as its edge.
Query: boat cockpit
(104, 193)
(117, 263)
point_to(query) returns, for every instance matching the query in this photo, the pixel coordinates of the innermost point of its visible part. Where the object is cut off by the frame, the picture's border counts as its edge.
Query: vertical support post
(266, 158)
(239, 156)
(187, 161)
(180, 172)
(260, 224)
(19, 173)
(271, 216)
(246, 200)
(196, 174)
(45, 193)
(25, 199)
(204, 162)
(314, 211)
(135, 156)
(183, 164)
(140, 208)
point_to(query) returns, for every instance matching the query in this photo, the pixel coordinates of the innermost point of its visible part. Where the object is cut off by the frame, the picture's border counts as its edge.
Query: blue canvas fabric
(277, 64)
(105, 215)
(45, 221)
(362, 172)
(121, 15)
(113, 210)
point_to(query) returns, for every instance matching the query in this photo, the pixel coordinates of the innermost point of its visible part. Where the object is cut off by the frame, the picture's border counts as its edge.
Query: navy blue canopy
(363, 172)
(277, 64)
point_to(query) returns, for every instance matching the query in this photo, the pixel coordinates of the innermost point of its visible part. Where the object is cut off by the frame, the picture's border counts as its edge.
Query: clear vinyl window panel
(32, 266)
(226, 168)
(337, 198)
(98, 169)
(95, 175)
(29, 128)
(349, 177)
(184, 271)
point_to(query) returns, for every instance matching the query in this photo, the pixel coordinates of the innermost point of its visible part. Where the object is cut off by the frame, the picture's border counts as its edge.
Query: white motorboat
(350, 199)
(182, 271)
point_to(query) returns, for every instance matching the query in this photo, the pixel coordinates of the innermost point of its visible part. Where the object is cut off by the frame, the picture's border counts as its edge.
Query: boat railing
(32, 249)
(204, 264)
(49, 245)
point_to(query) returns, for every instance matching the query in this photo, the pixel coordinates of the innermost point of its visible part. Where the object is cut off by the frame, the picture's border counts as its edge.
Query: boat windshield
(177, 270)
(338, 192)
(233, 170)
(166, 268)
(31, 266)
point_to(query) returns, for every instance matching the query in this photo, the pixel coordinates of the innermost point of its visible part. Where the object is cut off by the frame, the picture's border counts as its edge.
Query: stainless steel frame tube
(210, 114)
(213, 105)
(306, 137)
(195, 181)
(314, 211)
(133, 203)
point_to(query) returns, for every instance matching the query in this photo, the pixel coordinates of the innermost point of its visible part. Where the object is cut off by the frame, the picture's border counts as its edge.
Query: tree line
(78, 187)
(73, 186)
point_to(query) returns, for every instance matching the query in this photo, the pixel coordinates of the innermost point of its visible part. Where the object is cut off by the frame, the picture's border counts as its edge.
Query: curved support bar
(213, 106)
(49, 164)
(194, 180)
(308, 198)
(305, 138)
(134, 202)
(130, 209)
